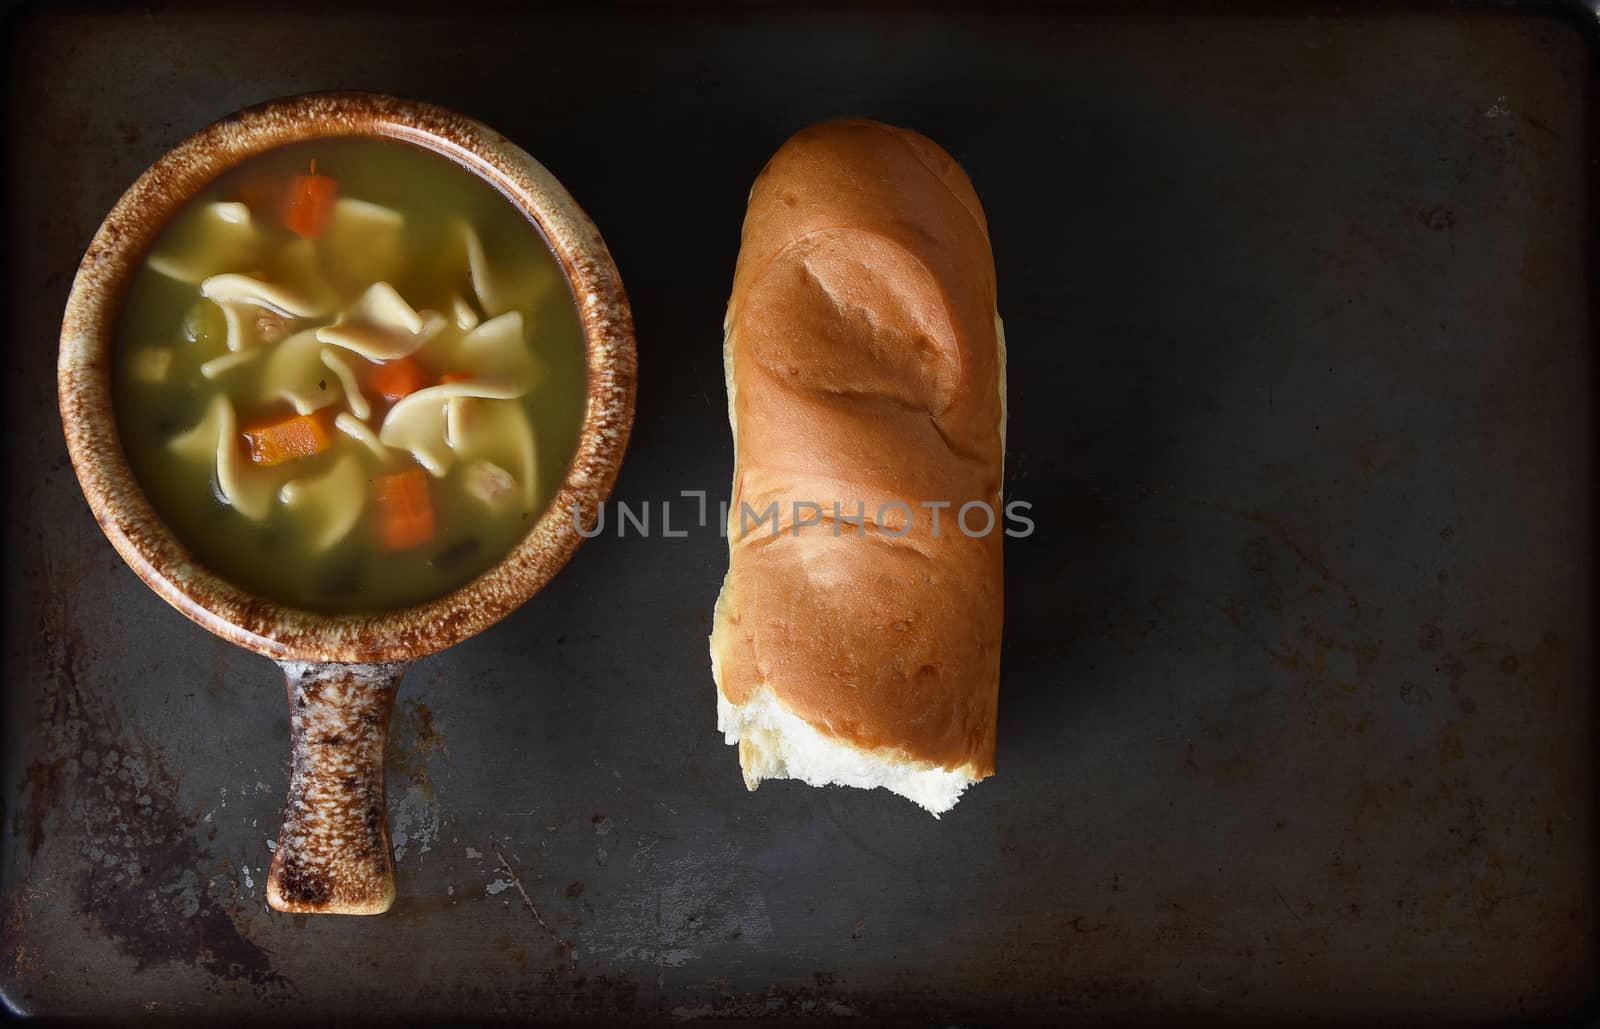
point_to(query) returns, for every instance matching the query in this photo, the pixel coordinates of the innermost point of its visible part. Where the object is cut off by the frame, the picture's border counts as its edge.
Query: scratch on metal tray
(602, 829)
(516, 880)
(1285, 902)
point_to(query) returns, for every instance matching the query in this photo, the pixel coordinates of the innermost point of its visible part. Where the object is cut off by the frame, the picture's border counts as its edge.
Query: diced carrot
(309, 203)
(297, 436)
(404, 509)
(398, 378)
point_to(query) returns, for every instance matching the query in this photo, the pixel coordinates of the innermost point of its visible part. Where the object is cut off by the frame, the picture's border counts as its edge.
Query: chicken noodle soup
(350, 375)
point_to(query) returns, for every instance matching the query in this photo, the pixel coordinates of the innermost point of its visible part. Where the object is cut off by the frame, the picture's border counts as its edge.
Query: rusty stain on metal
(413, 739)
(142, 877)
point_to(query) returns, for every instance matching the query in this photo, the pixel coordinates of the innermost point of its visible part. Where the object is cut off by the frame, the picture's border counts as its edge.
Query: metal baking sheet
(1297, 715)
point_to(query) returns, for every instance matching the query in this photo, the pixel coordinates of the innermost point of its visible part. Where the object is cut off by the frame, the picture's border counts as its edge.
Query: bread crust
(864, 369)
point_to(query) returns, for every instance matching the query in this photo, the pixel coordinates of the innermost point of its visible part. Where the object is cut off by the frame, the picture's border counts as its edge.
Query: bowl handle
(333, 851)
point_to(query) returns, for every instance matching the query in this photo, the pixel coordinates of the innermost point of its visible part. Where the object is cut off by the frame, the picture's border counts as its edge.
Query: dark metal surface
(1297, 714)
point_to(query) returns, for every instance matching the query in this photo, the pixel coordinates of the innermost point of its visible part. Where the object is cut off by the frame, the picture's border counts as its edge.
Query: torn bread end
(775, 743)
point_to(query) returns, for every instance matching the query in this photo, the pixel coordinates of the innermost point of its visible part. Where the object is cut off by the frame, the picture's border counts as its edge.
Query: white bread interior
(775, 743)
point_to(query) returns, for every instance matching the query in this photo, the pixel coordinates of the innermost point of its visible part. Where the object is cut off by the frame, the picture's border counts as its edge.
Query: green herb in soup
(350, 376)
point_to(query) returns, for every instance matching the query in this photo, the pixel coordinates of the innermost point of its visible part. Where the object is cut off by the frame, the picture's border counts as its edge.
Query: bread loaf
(857, 636)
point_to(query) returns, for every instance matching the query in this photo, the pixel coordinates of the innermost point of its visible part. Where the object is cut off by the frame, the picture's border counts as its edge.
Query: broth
(415, 456)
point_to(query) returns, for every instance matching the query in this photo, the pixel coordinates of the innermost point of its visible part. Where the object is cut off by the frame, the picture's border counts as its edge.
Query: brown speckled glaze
(333, 851)
(289, 635)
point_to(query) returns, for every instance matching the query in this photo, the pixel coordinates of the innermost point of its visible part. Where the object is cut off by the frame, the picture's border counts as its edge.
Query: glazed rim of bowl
(88, 336)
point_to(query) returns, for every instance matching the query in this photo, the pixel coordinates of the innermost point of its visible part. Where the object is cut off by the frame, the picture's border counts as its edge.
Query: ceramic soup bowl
(333, 853)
